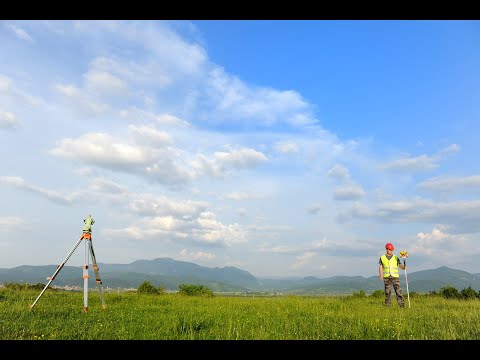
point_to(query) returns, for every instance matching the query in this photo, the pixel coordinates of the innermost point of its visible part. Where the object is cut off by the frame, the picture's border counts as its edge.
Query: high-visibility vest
(390, 267)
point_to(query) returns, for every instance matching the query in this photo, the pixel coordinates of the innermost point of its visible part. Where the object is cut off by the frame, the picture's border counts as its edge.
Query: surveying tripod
(87, 236)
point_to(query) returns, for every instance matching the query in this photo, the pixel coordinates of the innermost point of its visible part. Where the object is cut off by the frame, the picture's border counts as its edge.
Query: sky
(285, 148)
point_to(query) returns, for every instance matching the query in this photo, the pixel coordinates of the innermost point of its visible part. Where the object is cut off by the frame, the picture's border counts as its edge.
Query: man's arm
(380, 272)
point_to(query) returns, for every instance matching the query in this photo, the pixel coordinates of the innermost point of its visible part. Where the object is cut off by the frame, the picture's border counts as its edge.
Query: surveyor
(388, 271)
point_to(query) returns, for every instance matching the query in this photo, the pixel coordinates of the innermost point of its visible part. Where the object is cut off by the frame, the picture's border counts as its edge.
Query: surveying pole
(87, 236)
(404, 256)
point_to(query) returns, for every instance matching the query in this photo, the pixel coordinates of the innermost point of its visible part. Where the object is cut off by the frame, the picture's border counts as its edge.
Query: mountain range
(169, 274)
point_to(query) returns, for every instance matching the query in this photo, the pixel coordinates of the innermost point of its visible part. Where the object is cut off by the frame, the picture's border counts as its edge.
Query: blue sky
(281, 147)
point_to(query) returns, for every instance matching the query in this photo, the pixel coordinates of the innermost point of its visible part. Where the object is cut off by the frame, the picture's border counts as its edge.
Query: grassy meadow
(58, 315)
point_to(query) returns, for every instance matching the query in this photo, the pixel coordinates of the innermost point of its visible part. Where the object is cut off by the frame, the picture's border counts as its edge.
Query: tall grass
(131, 316)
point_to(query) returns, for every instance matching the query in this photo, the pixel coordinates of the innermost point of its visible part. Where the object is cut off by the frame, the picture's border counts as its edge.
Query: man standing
(388, 270)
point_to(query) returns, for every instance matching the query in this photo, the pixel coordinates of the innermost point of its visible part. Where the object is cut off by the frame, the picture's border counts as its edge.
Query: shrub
(468, 293)
(360, 294)
(449, 292)
(147, 288)
(195, 290)
(378, 294)
(24, 286)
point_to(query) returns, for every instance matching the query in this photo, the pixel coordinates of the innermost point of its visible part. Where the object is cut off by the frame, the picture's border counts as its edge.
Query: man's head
(389, 247)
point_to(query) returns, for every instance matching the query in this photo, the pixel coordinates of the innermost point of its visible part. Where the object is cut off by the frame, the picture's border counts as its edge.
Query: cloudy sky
(283, 148)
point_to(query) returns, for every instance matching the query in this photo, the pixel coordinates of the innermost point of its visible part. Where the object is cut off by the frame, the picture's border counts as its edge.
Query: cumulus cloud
(145, 204)
(232, 98)
(351, 192)
(17, 96)
(56, 196)
(461, 216)
(204, 230)
(150, 136)
(339, 172)
(81, 101)
(107, 186)
(303, 260)
(134, 114)
(196, 255)
(222, 161)
(103, 83)
(8, 120)
(441, 242)
(419, 163)
(450, 184)
(286, 147)
(151, 157)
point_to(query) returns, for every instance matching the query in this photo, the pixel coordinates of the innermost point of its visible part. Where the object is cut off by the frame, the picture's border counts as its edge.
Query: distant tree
(360, 294)
(449, 292)
(195, 290)
(25, 286)
(378, 294)
(469, 293)
(147, 288)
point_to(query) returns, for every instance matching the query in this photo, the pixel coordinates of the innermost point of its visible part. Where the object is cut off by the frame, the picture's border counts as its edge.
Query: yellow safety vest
(390, 267)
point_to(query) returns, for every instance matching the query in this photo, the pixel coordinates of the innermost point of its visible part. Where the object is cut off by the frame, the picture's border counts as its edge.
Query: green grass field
(58, 315)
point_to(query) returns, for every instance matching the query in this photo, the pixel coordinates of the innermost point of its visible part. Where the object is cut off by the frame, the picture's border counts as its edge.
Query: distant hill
(170, 273)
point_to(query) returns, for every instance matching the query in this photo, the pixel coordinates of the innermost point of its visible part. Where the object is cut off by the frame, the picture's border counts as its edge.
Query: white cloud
(151, 136)
(462, 216)
(232, 98)
(439, 242)
(105, 84)
(10, 223)
(339, 172)
(417, 163)
(240, 196)
(8, 120)
(19, 32)
(152, 205)
(81, 101)
(203, 230)
(56, 196)
(420, 163)
(450, 184)
(6, 84)
(224, 160)
(104, 150)
(135, 114)
(303, 260)
(286, 147)
(196, 255)
(314, 208)
(349, 192)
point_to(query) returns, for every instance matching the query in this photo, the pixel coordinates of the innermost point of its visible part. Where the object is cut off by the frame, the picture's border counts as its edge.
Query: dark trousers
(395, 282)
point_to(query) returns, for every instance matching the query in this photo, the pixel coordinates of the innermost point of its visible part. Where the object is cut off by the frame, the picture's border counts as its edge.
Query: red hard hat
(389, 246)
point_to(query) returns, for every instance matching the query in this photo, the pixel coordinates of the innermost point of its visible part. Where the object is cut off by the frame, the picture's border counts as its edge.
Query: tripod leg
(85, 280)
(59, 267)
(97, 275)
